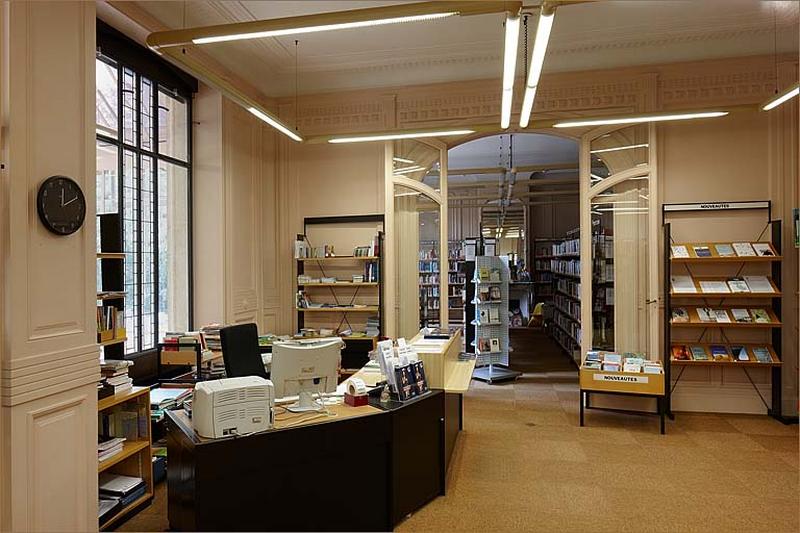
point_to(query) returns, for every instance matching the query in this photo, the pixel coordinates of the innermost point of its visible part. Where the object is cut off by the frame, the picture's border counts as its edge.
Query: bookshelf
(723, 302)
(135, 459)
(111, 334)
(429, 277)
(565, 267)
(327, 295)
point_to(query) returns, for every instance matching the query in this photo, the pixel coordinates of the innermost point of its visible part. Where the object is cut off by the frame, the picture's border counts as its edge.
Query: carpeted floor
(523, 463)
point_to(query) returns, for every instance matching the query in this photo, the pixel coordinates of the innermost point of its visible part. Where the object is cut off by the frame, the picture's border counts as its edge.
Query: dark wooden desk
(349, 473)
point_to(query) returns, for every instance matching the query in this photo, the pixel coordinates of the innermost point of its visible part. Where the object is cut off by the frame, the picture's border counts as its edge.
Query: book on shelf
(494, 274)
(127, 488)
(702, 251)
(739, 353)
(743, 249)
(108, 447)
(698, 353)
(494, 345)
(484, 345)
(494, 315)
(706, 314)
(758, 284)
(719, 353)
(712, 286)
(683, 284)
(738, 285)
(483, 316)
(679, 314)
(721, 315)
(679, 353)
(483, 274)
(761, 316)
(763, 249)
(483, 294)
(725, 250)
(609, 366)
(612, 358)
(494, 293)
(741, 315)
(679, 251)
(762, 354)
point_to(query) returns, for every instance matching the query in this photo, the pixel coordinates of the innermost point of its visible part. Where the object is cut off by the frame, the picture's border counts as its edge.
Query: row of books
(572, 288)
(568, 324)
(489, 274)
(305, 279)
(488, 345)
(568, 306)
(736, 249)
(721, 353)
(744, 284)
(108, 447)
(110, 321)
(210, 334)
(615, 362)
(371, 272)
(737, 315)
(561, 266)
(488, 316)
(569, 247)
(304, 302)
(490, 294)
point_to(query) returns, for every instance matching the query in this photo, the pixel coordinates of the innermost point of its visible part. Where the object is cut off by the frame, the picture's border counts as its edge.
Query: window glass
(106, 98)
(130, 245)
(620, 253)
(107, 169)
(129, 107)
(619, 150)
(173, 248)
(172, 126)
(416, 160)
(146, 116)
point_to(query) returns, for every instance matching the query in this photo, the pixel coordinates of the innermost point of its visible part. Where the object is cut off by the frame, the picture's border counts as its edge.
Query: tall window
(143, 174)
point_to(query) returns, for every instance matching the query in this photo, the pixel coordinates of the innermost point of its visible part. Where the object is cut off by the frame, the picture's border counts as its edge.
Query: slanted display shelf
(748, 298)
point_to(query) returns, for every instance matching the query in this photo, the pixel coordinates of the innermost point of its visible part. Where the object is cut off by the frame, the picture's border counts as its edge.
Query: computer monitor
(305, 368)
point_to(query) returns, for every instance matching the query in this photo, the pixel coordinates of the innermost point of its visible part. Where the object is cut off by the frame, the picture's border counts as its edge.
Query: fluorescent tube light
(397, 136)
(629, 147)
(509, 68)
(403, 160)
(638, 119)
(788, 94)
(320, 28)
(275, 124)
(415, 168)
(543, 29)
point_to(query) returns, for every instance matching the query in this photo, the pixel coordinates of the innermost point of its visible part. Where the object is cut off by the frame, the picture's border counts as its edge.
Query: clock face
(61, 205)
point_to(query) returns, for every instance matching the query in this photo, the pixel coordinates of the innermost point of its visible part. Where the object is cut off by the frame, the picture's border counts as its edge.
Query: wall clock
(61, 205)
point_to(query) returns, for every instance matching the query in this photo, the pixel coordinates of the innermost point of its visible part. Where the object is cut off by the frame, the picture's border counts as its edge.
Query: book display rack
(726, 312)
(490, 319)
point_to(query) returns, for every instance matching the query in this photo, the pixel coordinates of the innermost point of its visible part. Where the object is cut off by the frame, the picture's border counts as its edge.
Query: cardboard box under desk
(179, 357)
(625, 382)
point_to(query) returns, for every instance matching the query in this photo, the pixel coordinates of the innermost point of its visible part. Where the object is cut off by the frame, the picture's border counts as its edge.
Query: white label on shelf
(621, 378)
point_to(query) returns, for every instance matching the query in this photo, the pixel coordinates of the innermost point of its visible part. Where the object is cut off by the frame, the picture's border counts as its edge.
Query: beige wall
(48, 353)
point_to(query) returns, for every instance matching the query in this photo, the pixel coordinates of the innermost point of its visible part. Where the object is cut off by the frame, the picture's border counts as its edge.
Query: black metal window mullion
(137, 140)
(156, 249)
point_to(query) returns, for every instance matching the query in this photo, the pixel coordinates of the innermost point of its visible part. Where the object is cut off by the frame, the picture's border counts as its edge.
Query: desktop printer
(233, 406)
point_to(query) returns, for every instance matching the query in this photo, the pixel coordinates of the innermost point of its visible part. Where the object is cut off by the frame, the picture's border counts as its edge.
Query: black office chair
(240, 351)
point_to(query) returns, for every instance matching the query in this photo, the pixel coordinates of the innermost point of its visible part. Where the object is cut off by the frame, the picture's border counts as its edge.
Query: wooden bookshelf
(753, 362)
(695, 322)
(716, 258)
(114, 341)
(135, 459)
(738, 295)
(339, 284)
(110, 255)
(366, 309)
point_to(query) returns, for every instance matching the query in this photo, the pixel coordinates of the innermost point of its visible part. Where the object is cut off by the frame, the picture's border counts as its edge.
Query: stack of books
(114, 377)
(118, 491)
(373, 326)
(164, 399)
(108, 447)
(614, 362)
(210, 334)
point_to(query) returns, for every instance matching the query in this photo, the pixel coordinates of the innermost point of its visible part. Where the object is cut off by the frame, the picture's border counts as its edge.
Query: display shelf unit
(491, 366)
(344, 294)
(768, 266)
(111, 334)
(135, 459)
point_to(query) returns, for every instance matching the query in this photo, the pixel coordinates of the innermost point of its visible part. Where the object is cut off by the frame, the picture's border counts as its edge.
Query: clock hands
(62, 196)
(66, 204)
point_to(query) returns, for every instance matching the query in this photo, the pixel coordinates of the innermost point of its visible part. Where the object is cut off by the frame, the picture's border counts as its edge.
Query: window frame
(156, 157)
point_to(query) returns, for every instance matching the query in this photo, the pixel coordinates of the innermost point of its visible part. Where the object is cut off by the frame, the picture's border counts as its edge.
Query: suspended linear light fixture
(785, 96)
(543, 29)
(638, 119)
(509, 68)
(397, 136)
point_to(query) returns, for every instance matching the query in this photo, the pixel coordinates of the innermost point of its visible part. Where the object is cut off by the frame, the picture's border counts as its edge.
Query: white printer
(233, 406)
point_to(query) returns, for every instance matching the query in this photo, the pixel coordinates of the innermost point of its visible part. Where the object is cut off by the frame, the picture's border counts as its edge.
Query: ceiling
(587, 36)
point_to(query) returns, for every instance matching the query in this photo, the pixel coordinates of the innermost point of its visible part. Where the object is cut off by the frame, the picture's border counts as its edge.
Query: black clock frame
(43, 216)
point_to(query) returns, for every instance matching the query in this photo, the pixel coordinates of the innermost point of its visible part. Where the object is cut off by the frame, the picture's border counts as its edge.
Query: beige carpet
(523, 464)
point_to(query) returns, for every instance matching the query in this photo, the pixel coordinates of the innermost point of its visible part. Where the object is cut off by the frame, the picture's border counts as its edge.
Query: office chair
(240, 351)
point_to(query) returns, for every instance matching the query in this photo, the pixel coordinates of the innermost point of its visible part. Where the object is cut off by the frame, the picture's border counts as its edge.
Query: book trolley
(737, 309)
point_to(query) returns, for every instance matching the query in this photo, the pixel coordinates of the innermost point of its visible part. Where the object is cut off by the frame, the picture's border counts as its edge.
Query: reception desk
(364, 469)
